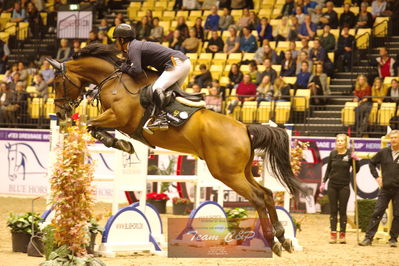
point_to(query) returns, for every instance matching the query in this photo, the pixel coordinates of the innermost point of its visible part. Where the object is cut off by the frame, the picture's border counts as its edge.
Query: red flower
(75, 116)
(157, 196)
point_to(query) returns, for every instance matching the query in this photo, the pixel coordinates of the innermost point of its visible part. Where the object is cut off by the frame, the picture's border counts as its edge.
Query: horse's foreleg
(108, 120)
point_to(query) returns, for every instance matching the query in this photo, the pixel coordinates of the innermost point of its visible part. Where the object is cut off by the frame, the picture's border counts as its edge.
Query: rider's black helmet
(124, 31)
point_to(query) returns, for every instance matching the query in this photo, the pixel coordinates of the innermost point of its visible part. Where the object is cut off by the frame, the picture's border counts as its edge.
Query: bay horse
(226, 145)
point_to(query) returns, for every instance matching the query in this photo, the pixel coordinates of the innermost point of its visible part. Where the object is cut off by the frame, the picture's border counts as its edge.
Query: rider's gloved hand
(125, 67)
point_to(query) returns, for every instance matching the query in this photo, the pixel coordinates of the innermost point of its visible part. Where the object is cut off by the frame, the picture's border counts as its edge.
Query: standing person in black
(388, 160)
(339, 174)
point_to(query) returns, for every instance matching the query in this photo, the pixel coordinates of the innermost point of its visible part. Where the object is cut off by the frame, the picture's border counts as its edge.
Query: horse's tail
(274, 142)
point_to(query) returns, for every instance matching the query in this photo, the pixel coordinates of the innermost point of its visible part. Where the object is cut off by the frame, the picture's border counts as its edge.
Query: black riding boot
(159, 122)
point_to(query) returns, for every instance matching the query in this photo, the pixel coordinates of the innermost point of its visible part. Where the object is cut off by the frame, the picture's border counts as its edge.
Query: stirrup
(145, 127)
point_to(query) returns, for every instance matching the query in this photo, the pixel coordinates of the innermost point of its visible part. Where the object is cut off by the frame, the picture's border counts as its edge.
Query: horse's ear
(56, 65)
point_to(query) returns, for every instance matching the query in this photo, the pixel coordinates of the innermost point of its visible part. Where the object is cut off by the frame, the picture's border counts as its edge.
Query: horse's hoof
(287, 245)
(277, 249)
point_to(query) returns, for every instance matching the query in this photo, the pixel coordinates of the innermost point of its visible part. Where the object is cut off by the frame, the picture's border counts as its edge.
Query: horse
(226, 145)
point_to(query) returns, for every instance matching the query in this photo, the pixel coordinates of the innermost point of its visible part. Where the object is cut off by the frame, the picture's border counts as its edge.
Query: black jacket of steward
(142, 54)
(389, 168)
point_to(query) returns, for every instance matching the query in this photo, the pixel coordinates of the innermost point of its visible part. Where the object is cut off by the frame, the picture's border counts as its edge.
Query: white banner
(74, 24)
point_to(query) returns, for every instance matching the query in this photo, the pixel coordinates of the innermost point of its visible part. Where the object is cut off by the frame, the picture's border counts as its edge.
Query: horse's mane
(99, 50)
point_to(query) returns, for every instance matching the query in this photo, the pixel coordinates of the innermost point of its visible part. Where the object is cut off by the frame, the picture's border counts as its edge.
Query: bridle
(71, 104)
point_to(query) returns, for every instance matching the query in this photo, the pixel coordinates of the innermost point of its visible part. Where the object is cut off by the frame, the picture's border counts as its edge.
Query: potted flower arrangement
(235, 217)
(21, 229)
(181, 206)
(158, 200)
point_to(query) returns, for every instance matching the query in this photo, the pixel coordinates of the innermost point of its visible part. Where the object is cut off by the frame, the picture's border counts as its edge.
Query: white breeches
(177, 73)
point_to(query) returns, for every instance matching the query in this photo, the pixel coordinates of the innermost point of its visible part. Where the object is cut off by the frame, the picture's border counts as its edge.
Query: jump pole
(355, 190)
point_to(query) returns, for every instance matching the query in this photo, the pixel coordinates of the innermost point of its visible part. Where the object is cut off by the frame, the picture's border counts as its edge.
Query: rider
(173, 65)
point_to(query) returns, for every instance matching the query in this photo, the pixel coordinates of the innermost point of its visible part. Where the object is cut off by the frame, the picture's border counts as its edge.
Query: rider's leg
(176, 74)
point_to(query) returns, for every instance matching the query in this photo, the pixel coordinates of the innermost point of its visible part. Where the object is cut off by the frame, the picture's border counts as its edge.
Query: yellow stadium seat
(205, 14)
(43, 15)
(387, 110)
(388, 80)
(248, 111)
(236, 12)
(248, 56)
(49, 107)
(362, 41)
(173, 24)
(348, 113)
(147, 5)
(132, 12)
(282, 114)
(265, 12)
(226, 70)
(31, 89)
(168, 13)
(236, 113)
(224, 81)
(182, 13)
(331, 56)
(234, 58)
(216, 68)
(36, 106)
(165, 25)
(205, 91)
(301, 101)
(141, 13)
(135, 4)
(205, 58)
(161, 5)
(273, 44)
(11, 28)
(288, 80)
(171, 5)
(264, 112)
(278, 70)
(261, 68)
(244, 69)
(275, 22)
(373, 114)
(192, 55)
(381, 26)
(355, 10)
(6, 15)
(195, 14)
(4, 36)
(23, 30)
(219, 59)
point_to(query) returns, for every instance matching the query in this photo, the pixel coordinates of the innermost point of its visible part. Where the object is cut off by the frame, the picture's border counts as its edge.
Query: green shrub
(366, 208)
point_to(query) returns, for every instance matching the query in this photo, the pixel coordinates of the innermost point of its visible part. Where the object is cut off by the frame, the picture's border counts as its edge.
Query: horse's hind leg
(269, 203)
(255, 195)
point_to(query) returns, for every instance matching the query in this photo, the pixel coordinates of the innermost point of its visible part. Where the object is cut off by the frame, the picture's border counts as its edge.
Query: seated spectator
(288, 65)
(205, 78)
(212, 20)
(292, 49)
(330, 17)
(265, 90)
(307, 29)
(364, 18)
(23, 72)
(265, 30)
(4, 90)
(253, 71)
(10, 73)
(176, 40)
(378, 90)
(319, 56)
(196, 88)
(347, 17)
(4, 53)
(305, 46)
(299, 15)
(294, 29)
(393, 92)
(361, 95)
(308, 5)
(269, 71)
(316, 14)
(34, 19)
(246, 90)
(214, 99)
(254, 21)
(47, 73)
(191, 44)
(282, 30)
(41, 86)
(318, 85)
(226, 19)
(150, 17)
(303, 57)
(103, 25)
(18, 13)
(93, 38)
(156, 33)
(244, 20)
(199, 29)
(302, 79)
(287, 8)
(64, 52)
(190, 5)
(385, 64)
(143, 29)
(235, 76)
(103, 37)
(282, 90)
(248, 42)
(14, 80)
(215, 43)
(19, 103)
(343, 54)
(378, 8)
(75, 47)
(208, 4)
(327, 40)
(232, 44)
(265, 52)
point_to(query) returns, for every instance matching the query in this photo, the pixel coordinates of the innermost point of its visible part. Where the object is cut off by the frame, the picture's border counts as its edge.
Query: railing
(357, 50)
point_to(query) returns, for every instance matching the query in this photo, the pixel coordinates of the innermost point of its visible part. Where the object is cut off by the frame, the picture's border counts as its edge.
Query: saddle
(179, 107)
